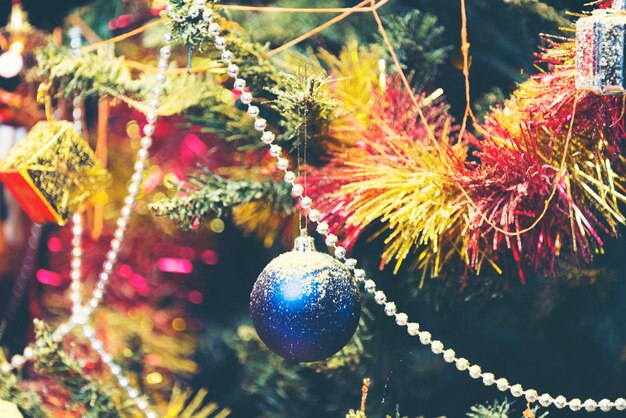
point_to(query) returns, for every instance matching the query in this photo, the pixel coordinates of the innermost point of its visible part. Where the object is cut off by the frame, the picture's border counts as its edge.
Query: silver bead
(436, 347)
(412, 328)
(306, 202)
(402, 319)
(246, 98)
(620, 404)
(253, 111)
(331, 239)
(605, 405)
(6, 368)
(132, 393)
(390, 308)
(531, 395)
(142, 154)
(227, 57)
(29, 353)
(207, 14)
(380, 297)
(239, 84)
(275, 150)
(214, 29)
(260, 124)
(545, 400)
(17, 361)
(575, 404)
(267, 137)
(449, 355)
(137, 178)
(126, 212)
(220, 43)
(167, 38)
(133, 189)
(516, 390)
(119, 233)
(590, 405)
(194, 13)
(425, 337)
(502, 384)
(289, 177)
(142, 404)
(165, 52)
(146, 142)
(104, 277)
(154, 104)
(107, 266)
(162, 64)
(297, 190)
(233, 71)
(123, 382)
(359, 274)
(116, 370)
(462, 364)
(370, 286)
(282, 164)
(560, 402)
(149, 129)
(351, 264)
(151, 117)
(340, 252)
(474, 371)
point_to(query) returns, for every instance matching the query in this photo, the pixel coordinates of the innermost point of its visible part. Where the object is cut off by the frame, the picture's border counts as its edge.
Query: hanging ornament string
(81, 313)
(413, 328)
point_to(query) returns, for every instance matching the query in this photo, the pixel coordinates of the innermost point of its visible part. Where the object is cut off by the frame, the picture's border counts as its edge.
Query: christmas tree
(451, 173)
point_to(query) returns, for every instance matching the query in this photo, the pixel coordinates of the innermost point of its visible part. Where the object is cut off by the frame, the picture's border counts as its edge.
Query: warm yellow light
(179, 324)
(154, 378)
(217, 226)
(17, 47)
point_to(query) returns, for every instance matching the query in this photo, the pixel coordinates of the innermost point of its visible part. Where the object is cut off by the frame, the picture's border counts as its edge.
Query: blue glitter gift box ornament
(305, 305)
(600, 46)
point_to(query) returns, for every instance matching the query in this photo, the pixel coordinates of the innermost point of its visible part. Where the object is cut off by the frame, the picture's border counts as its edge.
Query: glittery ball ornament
(305, 305)
(600, 47)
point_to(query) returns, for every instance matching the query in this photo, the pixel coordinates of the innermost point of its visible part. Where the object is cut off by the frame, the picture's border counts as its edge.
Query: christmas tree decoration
(52, 172)
(305, 305)
(9, 410)
(600, 50)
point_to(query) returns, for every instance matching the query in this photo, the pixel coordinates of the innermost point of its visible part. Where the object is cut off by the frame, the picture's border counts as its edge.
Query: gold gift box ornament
(52, 172)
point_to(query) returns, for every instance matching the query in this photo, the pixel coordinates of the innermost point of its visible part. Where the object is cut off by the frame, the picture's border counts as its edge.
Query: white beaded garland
(380, 298)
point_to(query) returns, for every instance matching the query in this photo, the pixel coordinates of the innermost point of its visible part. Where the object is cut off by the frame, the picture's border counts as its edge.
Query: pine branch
(209, 195)
(306, 109)
(542, 10)
(28, 401)
(52, 361)
(100, 74)
(418, 39)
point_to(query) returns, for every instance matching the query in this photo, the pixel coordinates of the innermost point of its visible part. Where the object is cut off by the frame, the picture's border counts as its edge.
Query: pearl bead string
(401, 319)
(82, 313)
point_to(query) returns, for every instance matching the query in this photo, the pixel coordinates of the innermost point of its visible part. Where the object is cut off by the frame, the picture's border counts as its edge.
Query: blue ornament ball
(305, 305)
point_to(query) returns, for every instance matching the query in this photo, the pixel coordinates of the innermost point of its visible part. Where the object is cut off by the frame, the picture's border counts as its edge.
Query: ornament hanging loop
(304, 242)
(43, 97)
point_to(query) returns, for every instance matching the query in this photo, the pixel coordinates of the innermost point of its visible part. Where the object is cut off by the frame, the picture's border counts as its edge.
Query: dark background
(565, 333)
